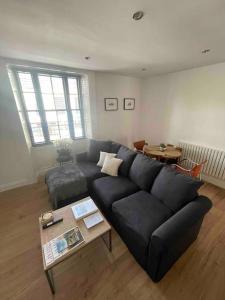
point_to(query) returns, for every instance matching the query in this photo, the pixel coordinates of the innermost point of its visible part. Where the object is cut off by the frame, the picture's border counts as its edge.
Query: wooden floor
(95, 273)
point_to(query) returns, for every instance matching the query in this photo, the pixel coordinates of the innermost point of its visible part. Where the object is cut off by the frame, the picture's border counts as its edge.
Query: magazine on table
(84, 208)
(60, 245)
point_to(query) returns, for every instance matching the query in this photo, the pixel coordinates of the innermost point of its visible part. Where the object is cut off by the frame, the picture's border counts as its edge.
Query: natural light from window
(52, 105)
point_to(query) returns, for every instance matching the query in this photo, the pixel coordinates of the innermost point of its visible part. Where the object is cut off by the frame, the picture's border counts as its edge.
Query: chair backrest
(194, 172)
(139, 145)
(197, 169)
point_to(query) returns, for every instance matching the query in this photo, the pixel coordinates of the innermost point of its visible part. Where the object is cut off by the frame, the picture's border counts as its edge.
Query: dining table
(170, 152)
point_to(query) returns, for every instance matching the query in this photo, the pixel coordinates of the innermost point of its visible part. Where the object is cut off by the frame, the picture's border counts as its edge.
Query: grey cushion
(137, 216)
(109, 189)
(95, 147)
(175, 189)
(127, 156)
(144, 170)
(90, 170)
(115, 147)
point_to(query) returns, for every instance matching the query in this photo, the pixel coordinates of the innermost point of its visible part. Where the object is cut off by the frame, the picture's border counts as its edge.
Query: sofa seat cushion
(175, 189)
(136, 217)
(127, 157)
(90, 170)
(109, 189)
(144, 170)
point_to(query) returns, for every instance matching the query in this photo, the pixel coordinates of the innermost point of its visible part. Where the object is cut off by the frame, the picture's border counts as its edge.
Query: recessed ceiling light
(138, 15)
(87, 57)
(205, 51)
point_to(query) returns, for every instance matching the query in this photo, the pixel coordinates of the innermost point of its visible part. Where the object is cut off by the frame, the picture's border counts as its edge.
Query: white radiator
(215, 165)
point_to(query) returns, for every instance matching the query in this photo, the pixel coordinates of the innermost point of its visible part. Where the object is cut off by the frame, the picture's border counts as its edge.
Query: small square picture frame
(129, 103)
(111, 104)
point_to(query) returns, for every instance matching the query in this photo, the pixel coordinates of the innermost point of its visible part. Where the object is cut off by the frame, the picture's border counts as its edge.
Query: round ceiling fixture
(87, 57)
(143, 69)
(138, 15)
(205, 51)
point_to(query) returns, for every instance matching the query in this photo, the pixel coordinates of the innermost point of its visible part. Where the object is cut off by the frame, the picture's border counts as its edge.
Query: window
(52, 105)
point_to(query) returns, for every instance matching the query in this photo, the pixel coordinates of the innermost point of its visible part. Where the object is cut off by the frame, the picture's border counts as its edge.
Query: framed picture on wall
(111, 104)
(129, 104)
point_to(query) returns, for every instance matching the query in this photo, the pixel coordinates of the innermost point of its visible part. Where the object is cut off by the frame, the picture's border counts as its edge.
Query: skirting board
(41, 172)
(215, 181)
(15, 184)
(23, 182)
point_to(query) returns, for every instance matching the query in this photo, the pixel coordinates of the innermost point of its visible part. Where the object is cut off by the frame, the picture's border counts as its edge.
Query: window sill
(51, 143)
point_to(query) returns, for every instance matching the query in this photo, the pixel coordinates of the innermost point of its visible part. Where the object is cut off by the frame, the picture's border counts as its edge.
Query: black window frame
(37, 90)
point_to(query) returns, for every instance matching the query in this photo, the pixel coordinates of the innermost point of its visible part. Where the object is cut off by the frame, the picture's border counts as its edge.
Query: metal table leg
(50, 279)
(109, 242)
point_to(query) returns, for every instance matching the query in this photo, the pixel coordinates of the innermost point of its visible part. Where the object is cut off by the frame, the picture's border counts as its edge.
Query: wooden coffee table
(102, 229)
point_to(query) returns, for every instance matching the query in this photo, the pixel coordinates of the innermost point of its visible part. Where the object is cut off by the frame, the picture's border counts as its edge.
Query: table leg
(108, 243)
(50, 279)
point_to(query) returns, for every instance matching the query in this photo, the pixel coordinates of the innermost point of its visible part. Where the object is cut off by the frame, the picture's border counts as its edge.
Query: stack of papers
(88, 211)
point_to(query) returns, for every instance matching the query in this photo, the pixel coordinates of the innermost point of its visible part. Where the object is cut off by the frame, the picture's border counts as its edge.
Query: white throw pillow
(111, 166)
(103, 156)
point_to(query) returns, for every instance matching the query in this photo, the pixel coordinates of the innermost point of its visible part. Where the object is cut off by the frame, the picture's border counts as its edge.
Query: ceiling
(169, 38)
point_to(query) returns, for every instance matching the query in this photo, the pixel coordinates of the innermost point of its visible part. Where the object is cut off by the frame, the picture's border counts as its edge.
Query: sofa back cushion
(127, 157)
(144, 170)
(115, 147)
(175, 189)
(95, 147)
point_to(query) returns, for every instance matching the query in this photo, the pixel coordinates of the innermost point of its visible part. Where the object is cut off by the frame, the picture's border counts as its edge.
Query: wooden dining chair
(139, 145)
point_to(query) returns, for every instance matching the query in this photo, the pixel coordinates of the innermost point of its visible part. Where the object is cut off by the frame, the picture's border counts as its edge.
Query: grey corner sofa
(156, 211)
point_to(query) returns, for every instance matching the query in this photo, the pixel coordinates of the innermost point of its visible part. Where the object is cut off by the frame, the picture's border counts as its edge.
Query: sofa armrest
(81, 157)
(173, 237)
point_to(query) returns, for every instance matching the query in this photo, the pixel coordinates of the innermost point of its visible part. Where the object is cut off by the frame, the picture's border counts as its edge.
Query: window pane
(30, 101)
(37, 133)
(72, 82)
(57, 85)
(54, 98)
(26, 82)
(45, 84)
(74, 102)
(59, 101)
(34, 117)
(77, 123)
(63, 124)
(35, 123)
(48, 101)
(52, 121)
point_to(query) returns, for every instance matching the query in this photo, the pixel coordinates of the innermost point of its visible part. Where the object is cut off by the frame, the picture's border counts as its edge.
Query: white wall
(122, 125)
(15, 159)
(20, 164)
(187, 105)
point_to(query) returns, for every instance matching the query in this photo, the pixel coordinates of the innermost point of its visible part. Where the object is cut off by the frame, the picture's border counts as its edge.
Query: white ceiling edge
(78, 69)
